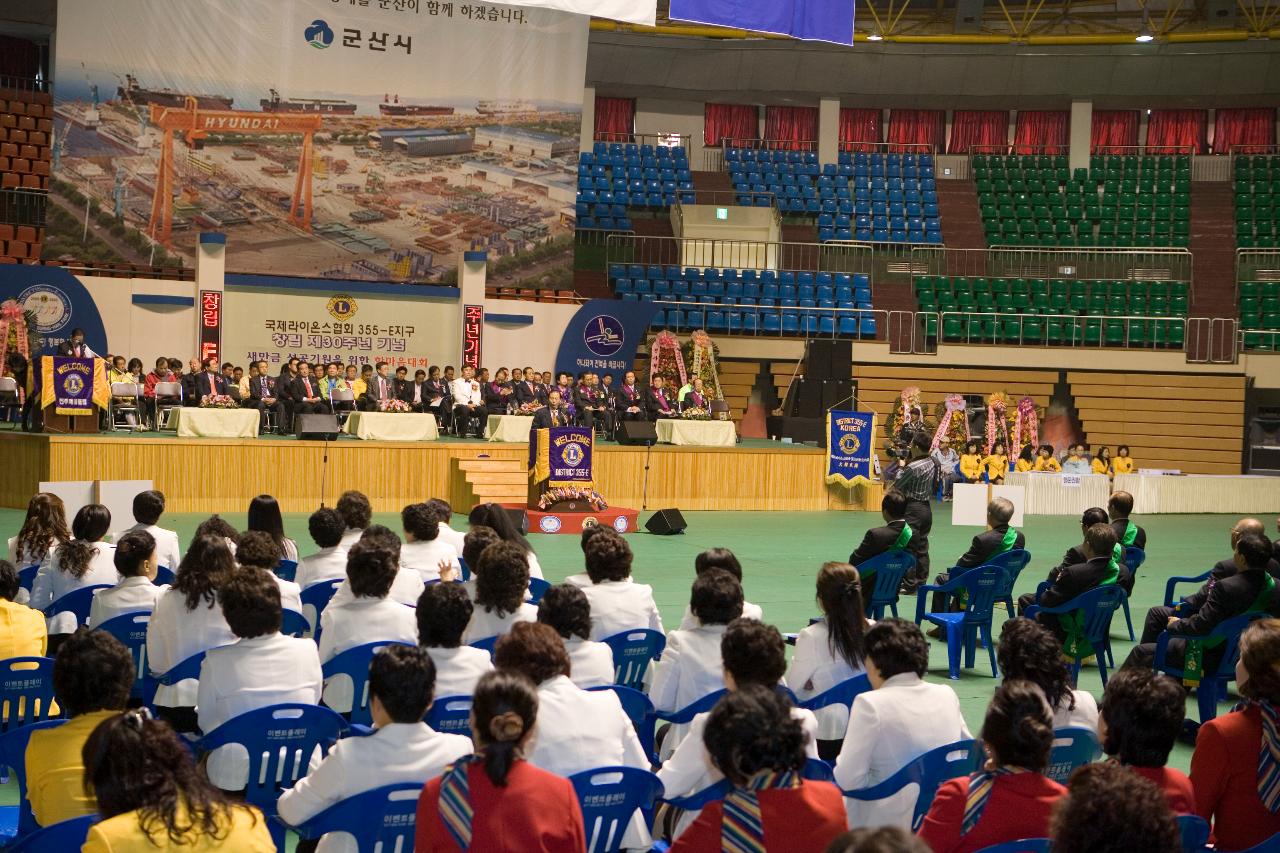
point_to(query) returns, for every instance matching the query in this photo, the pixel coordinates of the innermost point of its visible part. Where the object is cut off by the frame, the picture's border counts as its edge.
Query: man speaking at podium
(553, 414)
(75, 347)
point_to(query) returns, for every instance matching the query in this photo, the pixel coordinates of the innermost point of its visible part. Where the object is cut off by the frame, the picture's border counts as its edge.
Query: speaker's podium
(73, 393)
(826, 384)
(562, 496)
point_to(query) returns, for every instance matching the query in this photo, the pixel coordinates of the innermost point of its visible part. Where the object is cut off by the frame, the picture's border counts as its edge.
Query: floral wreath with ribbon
(952, 420)
(702, 363)
(665, 359)
(1026, 427)
(998, 416)
(21, 325)
(909, 410)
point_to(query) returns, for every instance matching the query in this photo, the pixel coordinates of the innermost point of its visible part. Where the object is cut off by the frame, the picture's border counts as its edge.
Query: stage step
(496, 478)
(488, 464)
(486, 480)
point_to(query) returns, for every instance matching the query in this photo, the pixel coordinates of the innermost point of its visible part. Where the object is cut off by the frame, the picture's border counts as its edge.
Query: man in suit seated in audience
(379, 388)
(658, 401)
(401, 750)
(305, 392)
(1095, 570)
(204, 380)
(894, 535)
(526, 388)
(1074, 555)
(592, 407)
(554, 414)
(1128, 534)
(264, 395)
(469, 414)
(996, 539)
(628, 401)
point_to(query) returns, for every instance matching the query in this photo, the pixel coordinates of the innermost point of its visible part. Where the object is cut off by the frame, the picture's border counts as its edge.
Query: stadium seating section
(751, 301)
(1068, 312)
(1260, 314)
(26, 130)
(615, 177)
(880, 197)
(1257, 202)
(1125, 201)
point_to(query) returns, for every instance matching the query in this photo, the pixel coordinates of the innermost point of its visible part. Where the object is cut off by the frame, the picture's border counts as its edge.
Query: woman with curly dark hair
(216, 525)
(565, 608)
(43, 530)
(1009, 797)
(151, 795)
(753, 739)
(1028, 651)
(502, 576)
(1140, 720)
(84, 560)
(495, 799)
(1108, 810)
(187, 620)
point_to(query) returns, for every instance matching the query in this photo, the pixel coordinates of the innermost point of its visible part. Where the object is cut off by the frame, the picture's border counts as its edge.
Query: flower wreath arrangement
(1026, 427)
(665, 360)
(909, 410)
(695, 413)
(560, 494)
(218, 401)
(701, 354)
(529, 408)
(953, 422)
(394, 406)
(1000, 417)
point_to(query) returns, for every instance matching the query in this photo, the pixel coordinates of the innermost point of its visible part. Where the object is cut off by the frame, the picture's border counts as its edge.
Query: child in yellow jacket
(1046, 461)
(996, 464)
(971, 463)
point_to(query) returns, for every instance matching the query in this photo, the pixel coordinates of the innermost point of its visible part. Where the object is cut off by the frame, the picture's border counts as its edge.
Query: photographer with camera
(917, 482)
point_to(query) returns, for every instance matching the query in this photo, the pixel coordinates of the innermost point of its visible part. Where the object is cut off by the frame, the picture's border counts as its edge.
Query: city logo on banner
(51, 306)
(604, 335)
(319, 35)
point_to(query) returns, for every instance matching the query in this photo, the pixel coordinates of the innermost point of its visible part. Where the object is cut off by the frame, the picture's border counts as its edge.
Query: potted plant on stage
(218, 401)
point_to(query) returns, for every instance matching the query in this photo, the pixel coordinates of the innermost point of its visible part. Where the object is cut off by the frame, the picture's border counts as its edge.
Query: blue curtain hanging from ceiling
(818, 20)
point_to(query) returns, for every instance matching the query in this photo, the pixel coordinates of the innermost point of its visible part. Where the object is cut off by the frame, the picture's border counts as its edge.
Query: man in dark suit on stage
(75, 346)
(593, 409)
(207, 382)
(877, 540)
(380, 387)
(403, 386)
(658, 403)
(526, 388)
(306, 393)
(1119, 507)
(1099, 542)
(628, 401)
(265, 397)
(554, 414)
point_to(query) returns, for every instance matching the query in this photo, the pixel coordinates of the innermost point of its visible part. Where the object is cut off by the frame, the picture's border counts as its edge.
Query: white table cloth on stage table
(513, 428)
(1201, 493)
(392, 426)
(1048, 494)
(696, 433)
(217, 423)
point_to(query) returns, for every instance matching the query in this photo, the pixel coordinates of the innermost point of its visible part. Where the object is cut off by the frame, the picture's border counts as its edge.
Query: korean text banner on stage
(360, 139)
(74, 385)
(850, 446)
(562, 456)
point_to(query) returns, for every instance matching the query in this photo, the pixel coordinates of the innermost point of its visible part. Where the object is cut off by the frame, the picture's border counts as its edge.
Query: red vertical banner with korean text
(472, 335)
(211, 325)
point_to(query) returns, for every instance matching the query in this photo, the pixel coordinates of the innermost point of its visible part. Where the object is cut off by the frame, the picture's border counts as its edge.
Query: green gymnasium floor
(781, 553)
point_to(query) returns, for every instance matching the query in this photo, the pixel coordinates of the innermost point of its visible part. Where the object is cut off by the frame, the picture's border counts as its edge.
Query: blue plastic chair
(1073, 747)
(64, 835)
(1271, 845)
(287, 570)
(889, 568)
(609, 796)
(1022, 845)
(317, 597)
(27, 576)
(294, 624)
(928, 772)
(632, 652)
(76, 602)
(450, 714)
(1013, 562)
(385, 816)
(1173, 582)
(1195, 833)
(26, 692)
(1133, 560)
(815, 769)
(189, 668)
(841, 694)
(640, 711)
(17, 821)
(1212, 685)
(280, 740)
(963, 627)
(1098, 605)
(354, 664)
(693, 709)
(164, 576)
(537, 588)
(131, 630)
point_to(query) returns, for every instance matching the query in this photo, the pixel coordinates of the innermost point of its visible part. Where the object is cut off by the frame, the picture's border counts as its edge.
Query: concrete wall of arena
(146, 318)
(523, 333)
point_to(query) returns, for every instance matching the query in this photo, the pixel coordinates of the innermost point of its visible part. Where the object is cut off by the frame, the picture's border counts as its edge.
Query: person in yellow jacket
(996, 464)
(1123, 463)
(1046, 461)
(971, 463)
(1026, 460)
(1102, 461)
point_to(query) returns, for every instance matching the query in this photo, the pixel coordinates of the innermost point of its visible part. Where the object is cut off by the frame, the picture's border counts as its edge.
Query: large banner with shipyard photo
(347, 139)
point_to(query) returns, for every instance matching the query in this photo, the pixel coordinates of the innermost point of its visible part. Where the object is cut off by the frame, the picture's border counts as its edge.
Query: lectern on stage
(562, 489)
(73, 392)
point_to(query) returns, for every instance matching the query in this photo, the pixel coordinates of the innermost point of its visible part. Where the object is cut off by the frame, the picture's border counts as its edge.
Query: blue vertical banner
(850, 447)
(815, 20)
(602, 337)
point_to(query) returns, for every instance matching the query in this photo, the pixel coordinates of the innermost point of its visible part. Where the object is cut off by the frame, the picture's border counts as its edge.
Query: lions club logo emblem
(849, 444)
(341, 307)
(73, 384)
(573, 454)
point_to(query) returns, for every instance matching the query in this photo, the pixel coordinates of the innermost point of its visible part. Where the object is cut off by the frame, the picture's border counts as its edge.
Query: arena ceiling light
(1144, 36)
(875, 37)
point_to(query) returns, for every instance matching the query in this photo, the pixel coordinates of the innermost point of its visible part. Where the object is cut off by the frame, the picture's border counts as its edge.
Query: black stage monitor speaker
(519, 519)
(637, 432)
(317, 427)
(665, 522)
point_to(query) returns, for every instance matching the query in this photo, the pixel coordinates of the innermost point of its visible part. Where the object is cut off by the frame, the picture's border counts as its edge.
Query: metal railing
(1256, 265)
(888, 147)
(1210, 167)
(123, 270)
(1092, 331)
(715, 160)
(23, 84)
(657, 140)
(1037, 262)
(722, 198)
(1142, 150)
(1240, 149)
(1019, 149)
(1270, 336)
(23, 207)
(740, 254)
(803, 316)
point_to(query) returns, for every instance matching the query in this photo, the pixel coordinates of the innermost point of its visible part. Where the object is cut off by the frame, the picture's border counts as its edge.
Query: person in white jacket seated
(86, 560)
(330, 561)
(402, 749)
(1028, 651)
(135, 559)
(263, 667)
(719, 558)
(502, 578)
(618, 603)
(406, 587)
(691, 667)
(753, 653)
(444, 609)
(43, 530)
(444, 514)
(902, 718)
(424, 551)
(258, 550)
(577, 729)
(831, 650)
(565, 608)
(356, 512)
(148, 506)
(370, 616)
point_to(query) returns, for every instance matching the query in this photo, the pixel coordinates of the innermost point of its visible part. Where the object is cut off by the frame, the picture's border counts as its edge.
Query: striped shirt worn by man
(918, 480)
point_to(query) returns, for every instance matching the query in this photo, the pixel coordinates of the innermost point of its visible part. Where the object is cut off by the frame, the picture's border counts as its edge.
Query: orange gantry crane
(195, 124)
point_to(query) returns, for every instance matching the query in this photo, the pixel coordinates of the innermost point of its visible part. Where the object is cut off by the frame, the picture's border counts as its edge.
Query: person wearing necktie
(75, 347)
(378, 388)
(553, 414)
(264, 397)
(658, 403)
(627, 400)
(526, 387)
(468, 404)
(306, 392)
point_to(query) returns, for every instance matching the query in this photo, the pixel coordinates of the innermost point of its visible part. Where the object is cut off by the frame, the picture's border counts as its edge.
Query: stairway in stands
(960, 216)
(709, 182)
(1213, 242)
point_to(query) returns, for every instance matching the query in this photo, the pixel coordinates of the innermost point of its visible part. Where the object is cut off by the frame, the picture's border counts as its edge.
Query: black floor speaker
(665, 522)
(519, 519)
(637, 432)
(316, 427)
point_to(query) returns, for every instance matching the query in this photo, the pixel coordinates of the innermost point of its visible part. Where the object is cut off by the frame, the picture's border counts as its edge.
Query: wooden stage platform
(223, 475)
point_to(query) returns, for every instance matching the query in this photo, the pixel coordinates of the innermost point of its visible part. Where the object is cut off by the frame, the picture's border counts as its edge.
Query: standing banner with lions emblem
(850, 447)
(561, 456)
(73, 386)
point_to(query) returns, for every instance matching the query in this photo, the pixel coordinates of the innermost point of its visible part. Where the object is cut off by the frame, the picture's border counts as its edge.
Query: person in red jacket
(1108, 810)
(494, 799)
(754, 741)
(1234, 769)
(1140, 719)
(1009, 798)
